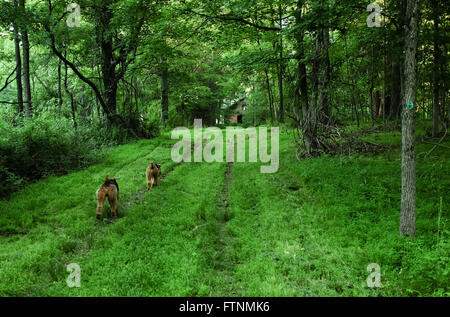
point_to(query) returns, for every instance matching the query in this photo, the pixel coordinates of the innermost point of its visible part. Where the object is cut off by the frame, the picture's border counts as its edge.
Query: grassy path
(224, 229)
(222, 263)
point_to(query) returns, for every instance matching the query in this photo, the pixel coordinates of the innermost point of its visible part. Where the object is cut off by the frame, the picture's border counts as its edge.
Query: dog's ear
(107, 177)
(116, 178)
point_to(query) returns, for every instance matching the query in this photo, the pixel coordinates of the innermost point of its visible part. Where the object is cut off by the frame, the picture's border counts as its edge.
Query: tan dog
(109, 189)
(153, 172)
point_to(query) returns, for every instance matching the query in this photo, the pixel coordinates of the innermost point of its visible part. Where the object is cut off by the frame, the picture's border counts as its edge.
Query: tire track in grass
(223, 264)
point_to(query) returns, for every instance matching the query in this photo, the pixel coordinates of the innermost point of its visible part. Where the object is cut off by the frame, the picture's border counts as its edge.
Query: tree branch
(227, 17)
(71, 65)
(7, 79)
(192, 34)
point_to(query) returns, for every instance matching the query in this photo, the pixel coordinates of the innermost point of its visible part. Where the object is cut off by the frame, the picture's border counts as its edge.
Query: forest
(354, 95)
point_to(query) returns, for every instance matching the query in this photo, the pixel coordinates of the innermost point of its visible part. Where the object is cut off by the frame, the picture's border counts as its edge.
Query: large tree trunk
(108, 63)
(164, 92)
(408, 207)
(18, 67)
(308, 122)
(26, 66)
(375, 104)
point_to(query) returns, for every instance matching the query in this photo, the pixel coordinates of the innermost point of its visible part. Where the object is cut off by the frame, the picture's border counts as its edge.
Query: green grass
(310, 229)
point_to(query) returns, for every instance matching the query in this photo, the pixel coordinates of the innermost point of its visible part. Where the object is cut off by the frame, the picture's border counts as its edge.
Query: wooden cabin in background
(239, 111)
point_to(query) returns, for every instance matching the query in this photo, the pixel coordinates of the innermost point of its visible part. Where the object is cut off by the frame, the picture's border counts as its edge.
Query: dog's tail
(109, 180)
(155, 165)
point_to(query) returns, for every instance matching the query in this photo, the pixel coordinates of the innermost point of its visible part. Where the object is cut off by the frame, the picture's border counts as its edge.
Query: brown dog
(153, 172)
(109, 189)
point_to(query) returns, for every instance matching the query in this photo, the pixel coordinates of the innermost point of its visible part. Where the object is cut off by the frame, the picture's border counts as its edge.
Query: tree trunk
(372, 88)
(386, 81)
(395, 108)
(397, 74)
(108, 61)
(60, 98)
(375, 105)
(436, 70)
(323, 75)
(281, 66)
(26, 66)
(164, 92)
(351, 80)
(269, 89)
(19, 67)
(109, 76)
(72, 101)
(135, 85)
(408, 206)
(269, 93)
(182, 111)
(308, 120)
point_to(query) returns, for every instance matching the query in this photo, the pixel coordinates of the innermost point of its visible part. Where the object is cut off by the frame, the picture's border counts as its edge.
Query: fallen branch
(439, 143)
(198, 226)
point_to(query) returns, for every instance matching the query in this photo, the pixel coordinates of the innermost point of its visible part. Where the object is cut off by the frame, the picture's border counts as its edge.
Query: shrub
(46, 145)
